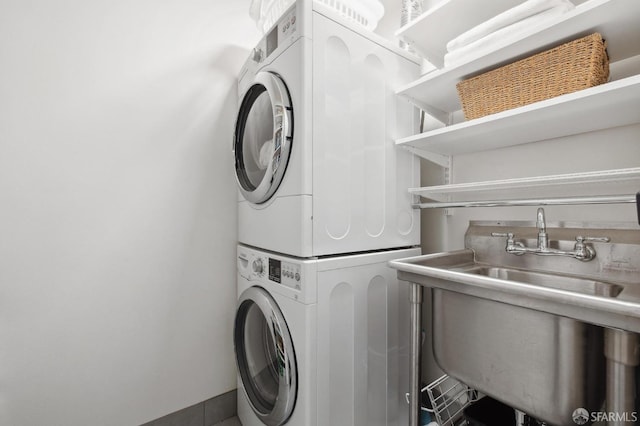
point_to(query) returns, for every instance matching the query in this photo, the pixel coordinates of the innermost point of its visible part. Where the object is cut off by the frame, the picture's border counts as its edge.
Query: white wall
(602, 150)
(117, 207)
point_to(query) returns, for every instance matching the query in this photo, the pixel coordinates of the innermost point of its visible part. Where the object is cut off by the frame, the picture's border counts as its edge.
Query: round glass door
(265, 357)
(262, 140)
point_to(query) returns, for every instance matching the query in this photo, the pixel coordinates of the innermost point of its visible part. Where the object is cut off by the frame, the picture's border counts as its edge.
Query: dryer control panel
(279, 36)
(285, 273)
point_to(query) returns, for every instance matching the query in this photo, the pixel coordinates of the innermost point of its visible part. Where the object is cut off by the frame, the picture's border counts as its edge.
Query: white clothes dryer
(321, 341)
(315, 160)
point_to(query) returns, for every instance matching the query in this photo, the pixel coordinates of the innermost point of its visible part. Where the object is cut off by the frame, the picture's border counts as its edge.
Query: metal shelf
(442, 193)
(547, 201)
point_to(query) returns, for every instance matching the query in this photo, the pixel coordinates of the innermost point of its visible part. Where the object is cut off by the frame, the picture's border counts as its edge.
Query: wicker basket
(576, 65)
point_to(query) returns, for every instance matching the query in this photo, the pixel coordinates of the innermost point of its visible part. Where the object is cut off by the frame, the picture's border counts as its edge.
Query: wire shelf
(448, 399)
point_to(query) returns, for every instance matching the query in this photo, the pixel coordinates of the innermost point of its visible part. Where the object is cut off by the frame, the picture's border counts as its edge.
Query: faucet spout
(541, 222)
(543, 237)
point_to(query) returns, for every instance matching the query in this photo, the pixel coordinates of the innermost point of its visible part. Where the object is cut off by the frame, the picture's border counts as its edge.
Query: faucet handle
(584, 252)
(509, 235)
(512, 246)
(502, 234)
(580, 239)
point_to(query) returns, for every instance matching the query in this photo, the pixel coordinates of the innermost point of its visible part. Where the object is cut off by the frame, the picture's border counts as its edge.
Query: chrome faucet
(581, 251)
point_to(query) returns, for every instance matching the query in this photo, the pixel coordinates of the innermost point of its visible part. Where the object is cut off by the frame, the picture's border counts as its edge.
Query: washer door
(265, 357)
(263, 135)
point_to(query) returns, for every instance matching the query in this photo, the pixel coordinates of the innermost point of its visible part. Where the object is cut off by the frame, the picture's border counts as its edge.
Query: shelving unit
(429, 38)
(610, 105)
(606, 106)
(617, 20)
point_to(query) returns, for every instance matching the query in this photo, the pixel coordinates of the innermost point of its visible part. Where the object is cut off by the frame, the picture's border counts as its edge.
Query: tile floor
(233, 421)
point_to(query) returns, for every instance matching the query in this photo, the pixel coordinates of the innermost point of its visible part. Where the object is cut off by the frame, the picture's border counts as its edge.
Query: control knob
(257, 55)
(258, 266)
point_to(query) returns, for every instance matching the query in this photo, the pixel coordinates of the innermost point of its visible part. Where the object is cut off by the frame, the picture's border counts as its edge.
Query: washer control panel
(285, 273)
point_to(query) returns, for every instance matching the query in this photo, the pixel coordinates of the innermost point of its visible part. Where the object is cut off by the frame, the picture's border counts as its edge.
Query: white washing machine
(315, 160)
(321, 341)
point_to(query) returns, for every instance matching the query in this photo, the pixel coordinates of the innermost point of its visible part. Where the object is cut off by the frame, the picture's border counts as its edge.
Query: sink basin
(543, 364)
(555, 281)
(527, 330)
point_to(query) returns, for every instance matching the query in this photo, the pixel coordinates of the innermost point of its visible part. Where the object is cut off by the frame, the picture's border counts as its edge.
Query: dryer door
(263, 135)
(265, 357)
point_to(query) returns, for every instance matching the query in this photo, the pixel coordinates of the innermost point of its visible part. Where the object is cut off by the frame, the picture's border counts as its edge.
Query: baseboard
(205, 413)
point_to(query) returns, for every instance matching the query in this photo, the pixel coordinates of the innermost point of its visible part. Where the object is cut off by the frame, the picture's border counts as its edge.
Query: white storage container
(366, 13)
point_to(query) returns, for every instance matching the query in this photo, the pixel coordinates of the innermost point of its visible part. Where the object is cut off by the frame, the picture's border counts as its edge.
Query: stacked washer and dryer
(321, 330)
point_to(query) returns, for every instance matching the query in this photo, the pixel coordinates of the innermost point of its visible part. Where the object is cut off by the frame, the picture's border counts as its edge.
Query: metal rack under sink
(449, 398)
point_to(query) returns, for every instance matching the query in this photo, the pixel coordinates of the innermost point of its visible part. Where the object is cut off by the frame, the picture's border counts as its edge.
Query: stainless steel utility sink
(526, 329)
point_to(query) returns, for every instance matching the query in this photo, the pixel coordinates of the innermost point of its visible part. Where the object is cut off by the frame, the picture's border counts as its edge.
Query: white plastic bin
(366, 13)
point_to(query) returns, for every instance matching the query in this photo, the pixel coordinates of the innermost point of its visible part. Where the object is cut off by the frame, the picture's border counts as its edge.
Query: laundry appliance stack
(321, 330)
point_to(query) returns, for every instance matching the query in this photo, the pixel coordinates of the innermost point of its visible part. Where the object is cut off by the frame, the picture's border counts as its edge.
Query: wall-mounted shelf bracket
(439, 159)
(443, 161)
(442, 116)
